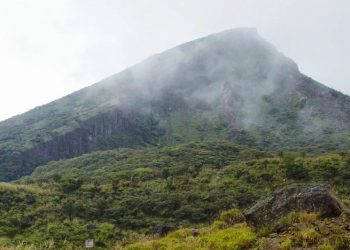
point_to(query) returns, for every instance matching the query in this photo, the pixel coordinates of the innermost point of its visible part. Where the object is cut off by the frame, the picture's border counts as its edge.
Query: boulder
(316, 198)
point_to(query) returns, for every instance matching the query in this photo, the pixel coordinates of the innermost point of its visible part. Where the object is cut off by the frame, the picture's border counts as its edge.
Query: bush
(232, 216)
(297, 172)
(307, 237)
(71, 185)
(218, 225)
(237, 237)
(297, 217)
(264, 231)
(326, 246)
(286, 245)
(309, 218)
(342, 243)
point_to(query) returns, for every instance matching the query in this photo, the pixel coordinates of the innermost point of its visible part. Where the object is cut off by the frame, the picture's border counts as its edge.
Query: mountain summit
(231, 85)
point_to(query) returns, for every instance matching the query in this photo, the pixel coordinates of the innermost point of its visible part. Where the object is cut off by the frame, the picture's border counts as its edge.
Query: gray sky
(49, 48)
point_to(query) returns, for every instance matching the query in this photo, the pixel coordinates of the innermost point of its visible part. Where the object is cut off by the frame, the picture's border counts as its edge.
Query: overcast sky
(49, 48)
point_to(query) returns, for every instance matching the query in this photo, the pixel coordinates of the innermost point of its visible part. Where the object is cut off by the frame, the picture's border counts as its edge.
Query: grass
(341, 243)
(297, 217)
(222, 234)
(20, 187)
(326, 246)
(46, 245)
(232, 216)
(228, 232)
(286, 244)
(237, 237)
(307, 237)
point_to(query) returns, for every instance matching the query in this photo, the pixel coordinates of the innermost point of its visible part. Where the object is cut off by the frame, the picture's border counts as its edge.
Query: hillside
(120, 196)
(231, 86)
(230, 231)
(299, 216)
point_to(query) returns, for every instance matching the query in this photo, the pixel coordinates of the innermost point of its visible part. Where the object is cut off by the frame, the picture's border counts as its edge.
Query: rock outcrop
(301, 197)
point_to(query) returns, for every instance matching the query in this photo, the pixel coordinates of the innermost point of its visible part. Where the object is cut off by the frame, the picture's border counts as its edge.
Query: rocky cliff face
(112, 129)
(231, 86)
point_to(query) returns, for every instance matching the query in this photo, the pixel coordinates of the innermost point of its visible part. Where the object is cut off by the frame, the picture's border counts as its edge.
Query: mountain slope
(123, 193)
(231, 85)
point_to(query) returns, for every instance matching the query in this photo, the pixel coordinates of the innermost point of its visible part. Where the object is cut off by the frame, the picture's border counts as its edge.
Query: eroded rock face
(302, 197)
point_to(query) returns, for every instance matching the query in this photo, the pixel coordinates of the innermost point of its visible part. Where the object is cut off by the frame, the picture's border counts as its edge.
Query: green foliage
(341, 243)
(264, 231)
(297, 172)
(232, 216)
(135, 191)
(326, 246)
(307, 236)
(286, 244)
(297, 217)
(69, 185)
(236, 237)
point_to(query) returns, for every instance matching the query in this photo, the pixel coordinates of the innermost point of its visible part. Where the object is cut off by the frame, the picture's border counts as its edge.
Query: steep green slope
(125, 193)
(230, 86)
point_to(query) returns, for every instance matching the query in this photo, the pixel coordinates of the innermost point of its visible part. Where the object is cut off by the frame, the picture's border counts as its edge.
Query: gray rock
(299, 197)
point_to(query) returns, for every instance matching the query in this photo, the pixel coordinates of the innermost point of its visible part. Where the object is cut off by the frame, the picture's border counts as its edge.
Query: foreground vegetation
(118, 196)
(301, 230)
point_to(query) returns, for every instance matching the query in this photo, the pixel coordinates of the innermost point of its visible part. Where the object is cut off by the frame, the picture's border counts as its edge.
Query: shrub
(342, 243)
(70, 185)
(297, 172)
(287, 244)
(326, 246)
(235, 238)
(218, 225)
(288, 159)
(232, 216)
(309, 218)
(307, 237)
(297, 217)
(264, 231)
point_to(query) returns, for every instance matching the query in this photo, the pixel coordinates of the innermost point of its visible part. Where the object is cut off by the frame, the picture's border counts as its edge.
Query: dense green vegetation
(120, 195)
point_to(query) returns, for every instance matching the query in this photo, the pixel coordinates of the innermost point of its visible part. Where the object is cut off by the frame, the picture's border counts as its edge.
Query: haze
(50, 48)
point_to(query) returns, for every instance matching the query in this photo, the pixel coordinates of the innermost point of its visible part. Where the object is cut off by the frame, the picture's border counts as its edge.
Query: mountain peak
(243, 31)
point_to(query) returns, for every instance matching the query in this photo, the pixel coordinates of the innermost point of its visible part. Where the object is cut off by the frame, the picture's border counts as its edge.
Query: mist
(50, 49)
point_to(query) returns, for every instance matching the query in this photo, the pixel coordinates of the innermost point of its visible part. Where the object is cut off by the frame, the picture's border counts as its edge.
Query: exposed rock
(302, 197)
(114, 128)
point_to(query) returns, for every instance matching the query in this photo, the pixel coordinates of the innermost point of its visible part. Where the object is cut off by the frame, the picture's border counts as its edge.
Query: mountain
(228, 86)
